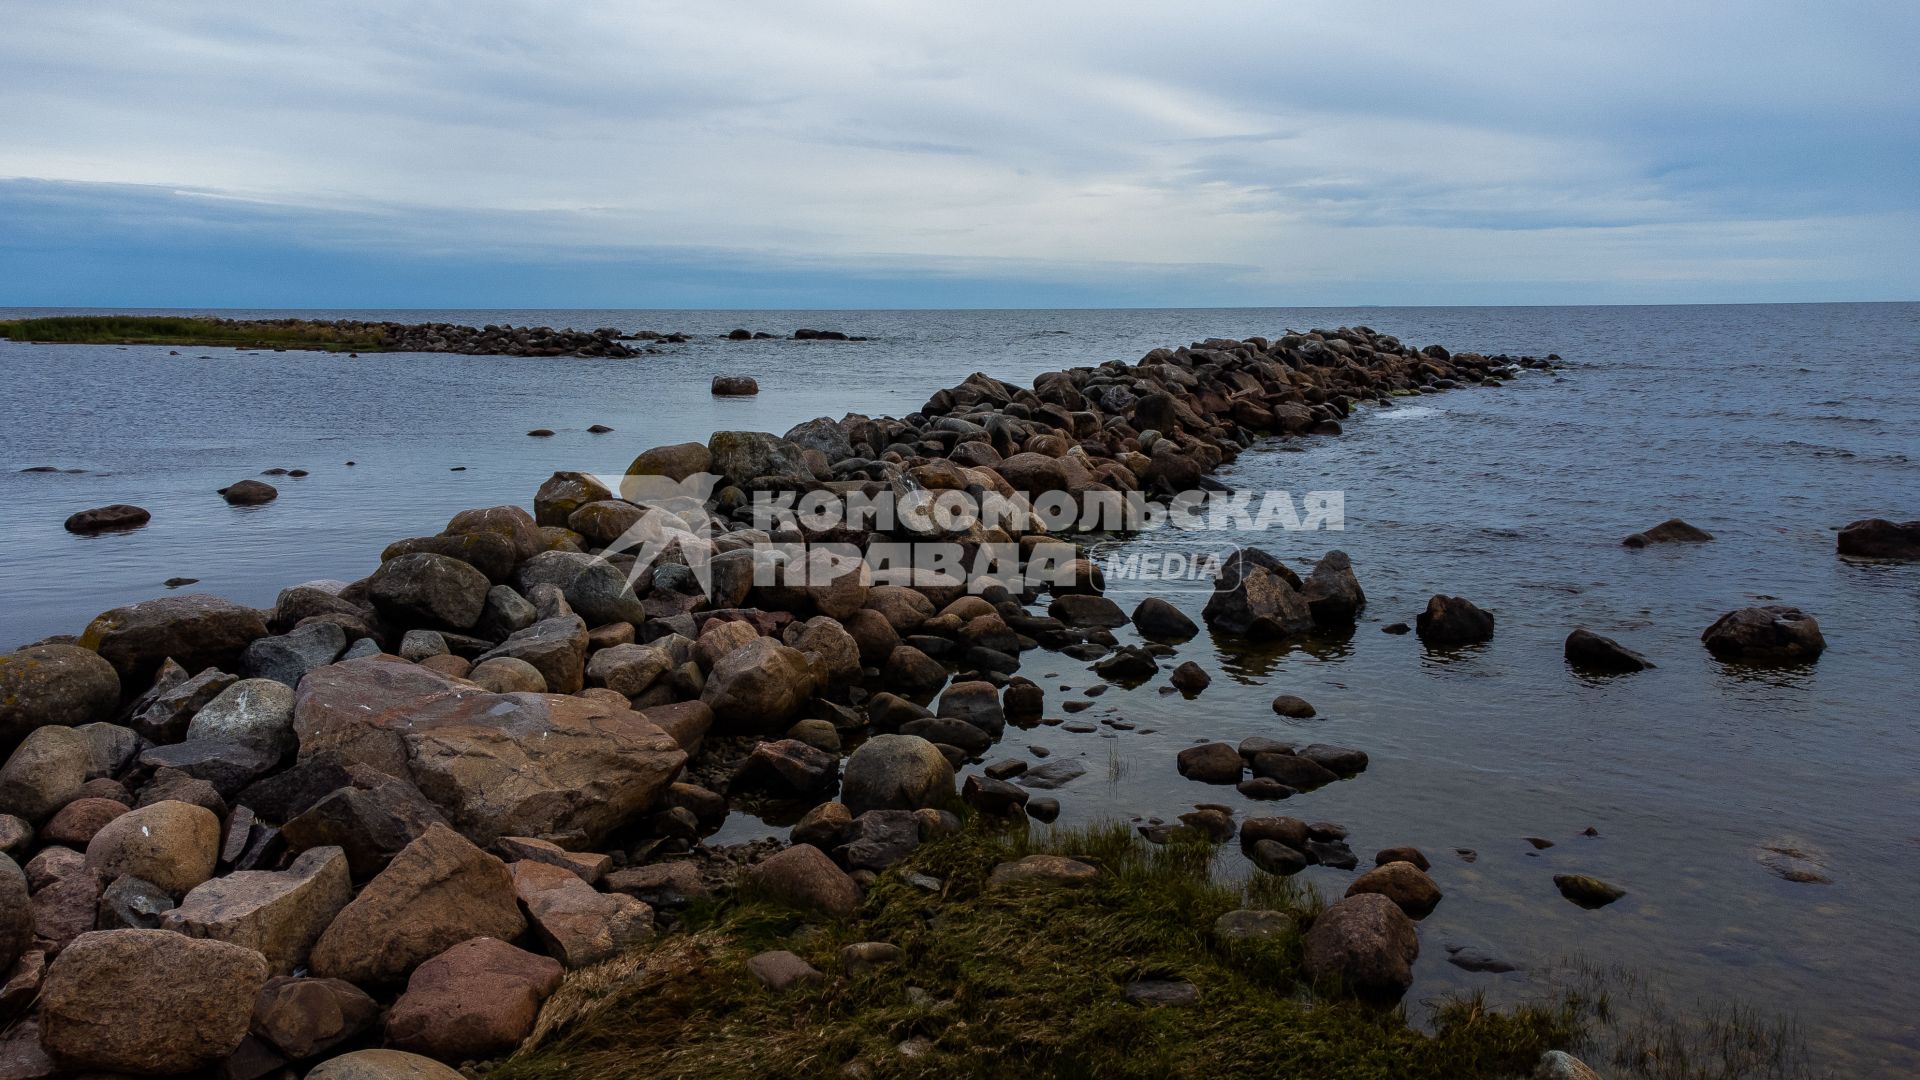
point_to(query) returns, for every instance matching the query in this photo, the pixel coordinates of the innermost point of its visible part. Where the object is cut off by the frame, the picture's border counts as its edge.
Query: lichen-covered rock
(53, 685)
(194, 630)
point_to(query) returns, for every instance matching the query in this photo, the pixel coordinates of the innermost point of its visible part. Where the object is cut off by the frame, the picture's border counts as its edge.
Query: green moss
(1009, 982)
(179, 330)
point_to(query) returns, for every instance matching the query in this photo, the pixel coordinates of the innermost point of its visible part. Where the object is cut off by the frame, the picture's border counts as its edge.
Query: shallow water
(1767, 425)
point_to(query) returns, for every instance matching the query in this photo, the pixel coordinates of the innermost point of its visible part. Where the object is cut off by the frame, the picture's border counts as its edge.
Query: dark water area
(1769, 426)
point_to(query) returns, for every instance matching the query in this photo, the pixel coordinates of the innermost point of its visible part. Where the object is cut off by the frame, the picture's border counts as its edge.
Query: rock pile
(393, 811)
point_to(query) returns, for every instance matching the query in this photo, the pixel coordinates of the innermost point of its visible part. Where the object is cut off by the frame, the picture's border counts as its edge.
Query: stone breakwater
(393, 812)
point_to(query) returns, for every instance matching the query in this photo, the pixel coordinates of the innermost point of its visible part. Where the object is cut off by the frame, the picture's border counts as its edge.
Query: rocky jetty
(493, 759)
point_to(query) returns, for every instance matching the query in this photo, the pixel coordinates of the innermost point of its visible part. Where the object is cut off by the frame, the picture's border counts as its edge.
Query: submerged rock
(115, 518)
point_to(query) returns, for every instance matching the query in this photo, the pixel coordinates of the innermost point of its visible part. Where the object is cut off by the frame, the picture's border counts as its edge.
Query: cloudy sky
(901, 154)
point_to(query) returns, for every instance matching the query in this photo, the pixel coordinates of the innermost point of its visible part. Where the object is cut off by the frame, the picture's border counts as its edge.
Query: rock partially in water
(1366, 944)
(735, 386)
(1671, 531)
(1771, 635)
(1453, 620)
(1588, 892)
(1591, 652)
(249, 493)
(1878, 538)
(118, 517)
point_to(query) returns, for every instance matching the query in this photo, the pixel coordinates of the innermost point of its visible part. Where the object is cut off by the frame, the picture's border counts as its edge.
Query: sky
(896, 153)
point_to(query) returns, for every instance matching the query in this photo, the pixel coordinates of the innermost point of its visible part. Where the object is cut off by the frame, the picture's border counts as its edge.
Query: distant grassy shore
(179, 330)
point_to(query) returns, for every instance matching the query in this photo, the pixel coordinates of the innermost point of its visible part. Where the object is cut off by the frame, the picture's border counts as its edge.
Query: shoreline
(789, 666)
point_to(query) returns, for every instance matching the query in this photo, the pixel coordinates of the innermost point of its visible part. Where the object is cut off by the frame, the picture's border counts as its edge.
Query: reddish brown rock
(79, 820)
(438, 892)
(474, 1001)
(304, 1017)
(578, 923)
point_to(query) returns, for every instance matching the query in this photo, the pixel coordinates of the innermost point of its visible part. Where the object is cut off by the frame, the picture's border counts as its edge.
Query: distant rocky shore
(351, 335)
(392, 812)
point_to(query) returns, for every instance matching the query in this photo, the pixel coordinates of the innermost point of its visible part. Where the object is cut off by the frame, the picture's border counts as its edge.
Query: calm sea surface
(1767, 425)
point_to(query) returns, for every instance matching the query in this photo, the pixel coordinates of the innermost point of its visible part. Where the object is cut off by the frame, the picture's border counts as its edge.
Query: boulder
(1405, 884)
(1671, 531)
(305, 1017)
(896, 772)
(1588, 892)
(1878, 538)
(563, 493)
(223, 763)
(676, 462)
(1591, 652)
(53, 686)
(287, 657)
(132, 904)
(825, 640)
(438, 892)
(1294, 707)
(249, 493)
(1453, 620)
(759, 686)
(147, 1002)
(254, 712)
(1211, 763)
(1045, 871)
(628, 669)
(45, 772)
(510, 524)
(370, 824)
(578, 923)
(1257, 596)
(568, 769)
(424, 589)
(977, 703)
(196, 631)
(1774, 634)
(788, 767)
(741, 456)
(803, 876)
(174, 845)
(115, 518)
(587, 866)
(164, 714)
(474, 1001)
(1364, 943)
(16, 914)
(1157, 620)
(77, 822)
(1087, 609)
(1190, 678)
(557, 649)
(507, 675)
(279, 914)
(1333, 593)
(735, 386)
